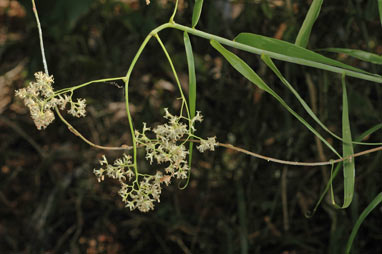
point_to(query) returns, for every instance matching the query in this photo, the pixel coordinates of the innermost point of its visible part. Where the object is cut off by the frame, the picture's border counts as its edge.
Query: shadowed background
(50, 201)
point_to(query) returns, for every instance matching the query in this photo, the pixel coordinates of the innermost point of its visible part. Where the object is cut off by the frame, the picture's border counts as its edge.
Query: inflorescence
(167, 148)
(41, 100)
(164, 144)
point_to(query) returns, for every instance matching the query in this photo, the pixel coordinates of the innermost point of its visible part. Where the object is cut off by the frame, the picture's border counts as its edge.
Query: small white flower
(208, 144)
(130, 205)
(63, 100)
(77, 109)
(22, 93)
(103, 161)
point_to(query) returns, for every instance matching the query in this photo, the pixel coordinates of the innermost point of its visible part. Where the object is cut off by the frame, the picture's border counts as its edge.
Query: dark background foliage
(50, 202)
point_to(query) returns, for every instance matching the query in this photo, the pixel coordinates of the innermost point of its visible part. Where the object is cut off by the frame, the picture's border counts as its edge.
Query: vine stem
(126, 79)
(224, 41)
(175, 74)
(257, 51)
(296, 163)
(252, 50)
(78, 134)
(40, 36)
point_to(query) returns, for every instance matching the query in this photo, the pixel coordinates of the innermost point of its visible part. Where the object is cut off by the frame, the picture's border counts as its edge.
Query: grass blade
(370, 131)
(291, 50)
(359, 54)
(251, 75)
(191, 92)
(373, 204)
(347, 150)
(191, 74)
(196, 13)
(268, 61)
(306, 28)
(288, 52)
(336, 170)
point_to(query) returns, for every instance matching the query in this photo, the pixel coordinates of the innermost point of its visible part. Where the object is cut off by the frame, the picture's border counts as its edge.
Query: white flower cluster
(41, 99)
(141, 190)
(120, 169)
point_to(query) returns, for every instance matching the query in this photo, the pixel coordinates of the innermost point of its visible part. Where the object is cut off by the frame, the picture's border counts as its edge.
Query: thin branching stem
(296, 163)
(175, 74)
(40, 36)
(87, 141)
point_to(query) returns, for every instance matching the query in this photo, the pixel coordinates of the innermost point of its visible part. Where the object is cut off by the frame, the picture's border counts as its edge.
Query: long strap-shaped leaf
(306, 28)
(291, 50)
(251, 75)
(373, 204)
(191, 74)
(339, 165)
(283, 53)
(196, 13)
(360, 54)
(347, 150)
(191, 92)
(268, 61)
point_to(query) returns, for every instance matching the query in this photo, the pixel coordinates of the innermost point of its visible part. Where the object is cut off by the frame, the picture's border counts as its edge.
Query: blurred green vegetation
(50, 202)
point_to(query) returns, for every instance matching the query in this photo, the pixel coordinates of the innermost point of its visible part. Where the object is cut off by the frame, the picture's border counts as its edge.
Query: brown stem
(78, 134)
(296, 163)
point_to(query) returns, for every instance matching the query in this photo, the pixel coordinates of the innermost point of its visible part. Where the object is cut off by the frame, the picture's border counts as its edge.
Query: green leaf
(373, 204)
(268, 61)
(336, 170)
(347, 150)
(191, 74)
(191, 92)
(369, 132)
(284, 51)
(333, 174)
(293, 51)
(196, 13)
(359, 54)
(251, 75)
(306, 28)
